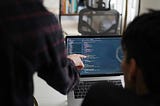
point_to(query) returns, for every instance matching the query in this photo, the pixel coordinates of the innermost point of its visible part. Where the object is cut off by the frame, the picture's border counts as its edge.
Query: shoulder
(107, 94)
(100, 93)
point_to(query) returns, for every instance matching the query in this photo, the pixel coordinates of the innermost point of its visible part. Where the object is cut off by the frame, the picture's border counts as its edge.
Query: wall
(146, 4)
(52, 6)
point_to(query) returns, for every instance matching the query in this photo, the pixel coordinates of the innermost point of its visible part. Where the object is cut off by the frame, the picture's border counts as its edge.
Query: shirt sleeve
(37, 37)
(53, 66)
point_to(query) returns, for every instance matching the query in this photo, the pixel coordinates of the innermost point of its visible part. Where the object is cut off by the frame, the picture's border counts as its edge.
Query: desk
(47, 96)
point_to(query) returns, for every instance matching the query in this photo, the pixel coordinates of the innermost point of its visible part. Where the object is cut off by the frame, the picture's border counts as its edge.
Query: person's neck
(142, 90)
(140, 87)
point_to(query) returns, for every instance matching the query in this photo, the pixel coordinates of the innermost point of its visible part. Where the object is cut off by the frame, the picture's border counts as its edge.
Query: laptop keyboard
(82, 88)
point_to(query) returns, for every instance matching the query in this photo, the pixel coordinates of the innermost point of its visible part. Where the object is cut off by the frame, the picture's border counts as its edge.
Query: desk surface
(47, 96)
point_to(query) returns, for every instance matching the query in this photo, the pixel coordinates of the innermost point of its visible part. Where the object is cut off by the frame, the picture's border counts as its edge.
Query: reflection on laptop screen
(104, 54)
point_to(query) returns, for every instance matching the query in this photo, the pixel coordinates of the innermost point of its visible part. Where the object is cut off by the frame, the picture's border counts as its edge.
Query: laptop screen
(104, 53)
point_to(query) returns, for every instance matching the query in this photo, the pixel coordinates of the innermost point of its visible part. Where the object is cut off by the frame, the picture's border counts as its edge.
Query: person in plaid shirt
(32, 41)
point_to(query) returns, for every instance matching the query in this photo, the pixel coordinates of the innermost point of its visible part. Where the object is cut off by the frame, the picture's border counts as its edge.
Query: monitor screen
(104, 54)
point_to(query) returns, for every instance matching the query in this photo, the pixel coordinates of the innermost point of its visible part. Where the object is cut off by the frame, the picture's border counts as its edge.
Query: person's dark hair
(141, 42)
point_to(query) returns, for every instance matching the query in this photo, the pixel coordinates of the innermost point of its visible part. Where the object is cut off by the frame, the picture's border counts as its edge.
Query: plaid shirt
(31, 41)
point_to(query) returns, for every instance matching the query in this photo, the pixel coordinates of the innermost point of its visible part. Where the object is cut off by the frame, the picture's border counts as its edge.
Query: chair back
(98, 21)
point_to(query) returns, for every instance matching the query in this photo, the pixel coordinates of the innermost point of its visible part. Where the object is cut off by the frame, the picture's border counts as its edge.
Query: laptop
(104, 56)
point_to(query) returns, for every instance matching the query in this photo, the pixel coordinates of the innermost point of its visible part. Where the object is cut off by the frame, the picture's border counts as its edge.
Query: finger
(79, 67)
(82, 56)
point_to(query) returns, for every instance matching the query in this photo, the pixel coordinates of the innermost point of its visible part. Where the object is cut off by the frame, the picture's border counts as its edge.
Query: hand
(77, 59)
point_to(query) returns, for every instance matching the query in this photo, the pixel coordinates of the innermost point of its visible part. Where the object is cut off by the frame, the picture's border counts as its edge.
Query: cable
(35, 101)
(125, 16)
(139, 7)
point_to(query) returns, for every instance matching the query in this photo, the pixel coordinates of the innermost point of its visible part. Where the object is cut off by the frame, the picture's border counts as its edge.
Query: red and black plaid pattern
(32, 41)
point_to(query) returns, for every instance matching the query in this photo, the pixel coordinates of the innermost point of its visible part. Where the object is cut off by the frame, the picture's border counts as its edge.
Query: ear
(132, 70)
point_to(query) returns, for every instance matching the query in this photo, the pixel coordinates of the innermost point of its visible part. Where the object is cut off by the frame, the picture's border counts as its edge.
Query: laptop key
(82, 88)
